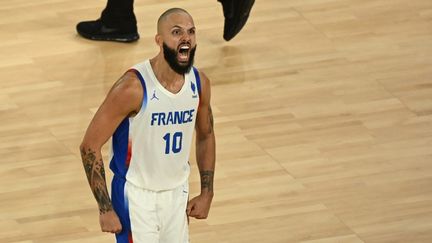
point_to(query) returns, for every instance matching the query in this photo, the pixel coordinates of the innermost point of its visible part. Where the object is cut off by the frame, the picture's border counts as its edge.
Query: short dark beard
(171, 57)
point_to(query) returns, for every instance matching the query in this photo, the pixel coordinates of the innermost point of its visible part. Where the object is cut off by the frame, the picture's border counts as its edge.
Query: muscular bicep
(123, 99)
(204, 124)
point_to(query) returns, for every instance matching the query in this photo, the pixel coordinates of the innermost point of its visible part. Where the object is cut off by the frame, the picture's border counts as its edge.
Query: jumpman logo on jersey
(154, 95)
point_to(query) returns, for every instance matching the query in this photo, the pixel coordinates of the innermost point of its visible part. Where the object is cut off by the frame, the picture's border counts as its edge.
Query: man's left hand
(199, 206)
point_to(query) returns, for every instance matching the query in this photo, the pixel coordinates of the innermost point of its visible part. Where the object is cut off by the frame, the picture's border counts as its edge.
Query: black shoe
(236, 13)
(96, 30)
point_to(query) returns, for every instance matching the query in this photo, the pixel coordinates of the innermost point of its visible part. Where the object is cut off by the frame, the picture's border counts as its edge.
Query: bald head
(166, 15)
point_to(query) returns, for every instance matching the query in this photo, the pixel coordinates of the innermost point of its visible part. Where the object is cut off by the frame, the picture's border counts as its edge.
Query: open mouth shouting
(180, 59)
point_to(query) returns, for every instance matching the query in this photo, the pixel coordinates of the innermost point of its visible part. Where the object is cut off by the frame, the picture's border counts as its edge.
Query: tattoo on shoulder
(207, 180)
(96, 177)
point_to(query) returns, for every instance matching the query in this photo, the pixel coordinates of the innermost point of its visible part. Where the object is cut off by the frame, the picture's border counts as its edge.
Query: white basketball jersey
(151, 150)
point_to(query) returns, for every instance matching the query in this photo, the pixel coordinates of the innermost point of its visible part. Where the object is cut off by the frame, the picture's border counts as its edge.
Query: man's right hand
(110, 222)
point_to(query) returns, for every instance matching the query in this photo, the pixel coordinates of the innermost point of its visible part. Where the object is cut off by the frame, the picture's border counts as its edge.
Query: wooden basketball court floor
(323, 112)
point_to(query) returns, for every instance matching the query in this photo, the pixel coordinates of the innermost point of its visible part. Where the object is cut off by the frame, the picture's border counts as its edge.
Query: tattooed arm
(123, 100)
(95, 172)
(199, 207)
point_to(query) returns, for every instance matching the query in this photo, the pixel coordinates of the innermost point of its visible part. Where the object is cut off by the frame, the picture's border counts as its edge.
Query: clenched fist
(110, 222)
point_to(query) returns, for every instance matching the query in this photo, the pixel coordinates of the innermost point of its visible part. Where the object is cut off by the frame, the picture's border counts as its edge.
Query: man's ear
(158, 40)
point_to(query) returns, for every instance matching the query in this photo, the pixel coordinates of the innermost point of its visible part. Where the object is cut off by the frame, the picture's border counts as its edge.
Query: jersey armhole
(198, 80)
(140, 77)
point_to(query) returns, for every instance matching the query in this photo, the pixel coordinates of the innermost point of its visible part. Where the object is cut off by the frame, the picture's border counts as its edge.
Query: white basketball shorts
(149, 216)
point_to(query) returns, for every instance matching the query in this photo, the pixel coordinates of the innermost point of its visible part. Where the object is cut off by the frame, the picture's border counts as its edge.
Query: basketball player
(151, 113)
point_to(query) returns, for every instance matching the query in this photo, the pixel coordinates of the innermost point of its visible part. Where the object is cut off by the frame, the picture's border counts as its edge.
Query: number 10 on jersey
(174, 143)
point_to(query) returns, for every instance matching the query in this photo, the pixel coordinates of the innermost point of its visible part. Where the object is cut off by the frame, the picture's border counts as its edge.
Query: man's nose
(186, 37)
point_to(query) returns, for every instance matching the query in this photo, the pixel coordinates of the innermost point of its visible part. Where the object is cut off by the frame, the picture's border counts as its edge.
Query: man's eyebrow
(178, 26)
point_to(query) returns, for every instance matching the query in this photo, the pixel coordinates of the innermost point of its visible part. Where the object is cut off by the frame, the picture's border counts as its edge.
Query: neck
(163, 71)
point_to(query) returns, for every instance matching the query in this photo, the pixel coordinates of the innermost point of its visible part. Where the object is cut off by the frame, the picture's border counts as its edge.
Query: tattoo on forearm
(207, 180)
(210, 120)
(96, 177)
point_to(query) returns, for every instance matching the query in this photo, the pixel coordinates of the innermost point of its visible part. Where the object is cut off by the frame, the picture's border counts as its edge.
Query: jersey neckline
(160, 86)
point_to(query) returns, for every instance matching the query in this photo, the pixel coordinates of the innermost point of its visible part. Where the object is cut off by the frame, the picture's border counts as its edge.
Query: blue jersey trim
(140, 77)
(120, 141)
(198, 80)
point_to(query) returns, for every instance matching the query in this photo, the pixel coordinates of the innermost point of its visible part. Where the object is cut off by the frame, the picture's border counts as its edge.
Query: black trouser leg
(120, 14)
